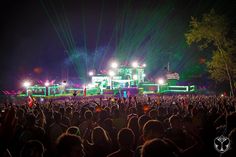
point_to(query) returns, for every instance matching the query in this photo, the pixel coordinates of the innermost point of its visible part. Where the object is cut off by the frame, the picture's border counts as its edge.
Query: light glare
(135, 64)
(111, 73)
(161, 81)
(91, 73)
(114, 64)
(26, 84)
(46, 83)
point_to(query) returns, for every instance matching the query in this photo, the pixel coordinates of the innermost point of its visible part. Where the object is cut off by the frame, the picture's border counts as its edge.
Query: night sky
(44, 39)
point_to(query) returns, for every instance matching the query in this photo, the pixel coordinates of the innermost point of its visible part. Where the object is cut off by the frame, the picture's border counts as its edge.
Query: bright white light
(144, 65)
(135, 77)
(161, 81)
(114, 64)
(222, 95)
(91, 73)
(46, 83)
(111, 73)
(144, 75)
(26, 84)
(135, 64)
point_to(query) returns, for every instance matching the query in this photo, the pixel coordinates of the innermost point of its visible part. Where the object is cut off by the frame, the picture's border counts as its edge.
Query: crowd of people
(142, 126)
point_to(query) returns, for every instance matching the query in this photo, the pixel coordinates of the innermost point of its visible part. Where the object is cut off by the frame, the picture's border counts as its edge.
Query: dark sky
(31, 48)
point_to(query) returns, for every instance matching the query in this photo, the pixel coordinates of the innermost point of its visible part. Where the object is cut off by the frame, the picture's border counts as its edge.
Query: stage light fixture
(91, 73)
(114, 64)
(26, 84)
(111, 73)
(161, 81)
(135, 64)
(46, 83)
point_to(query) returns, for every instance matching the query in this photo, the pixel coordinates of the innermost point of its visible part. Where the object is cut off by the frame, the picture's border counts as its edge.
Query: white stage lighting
(161, 81)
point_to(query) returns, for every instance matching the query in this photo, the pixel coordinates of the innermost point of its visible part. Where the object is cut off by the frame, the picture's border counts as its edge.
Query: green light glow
(153, 33)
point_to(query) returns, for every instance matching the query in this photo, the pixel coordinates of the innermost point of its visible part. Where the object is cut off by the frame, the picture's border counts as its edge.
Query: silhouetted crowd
(142, 126)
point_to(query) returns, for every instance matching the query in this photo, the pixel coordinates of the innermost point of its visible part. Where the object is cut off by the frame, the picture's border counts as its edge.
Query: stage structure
(121, 81)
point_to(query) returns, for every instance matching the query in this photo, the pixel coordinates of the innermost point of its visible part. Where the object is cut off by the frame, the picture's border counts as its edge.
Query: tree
(212, 30)
(216, 66)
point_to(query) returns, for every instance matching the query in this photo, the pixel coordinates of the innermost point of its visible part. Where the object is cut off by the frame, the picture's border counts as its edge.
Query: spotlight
(114, 64)
(161, 81)
(144, 65)
(111, 73)
(46, 83)
(26, 84)
(135, 64)
(91, 73)
(144, 75)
